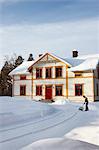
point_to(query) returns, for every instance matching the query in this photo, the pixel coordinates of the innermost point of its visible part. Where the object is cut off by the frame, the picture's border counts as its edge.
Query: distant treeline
(5, 79)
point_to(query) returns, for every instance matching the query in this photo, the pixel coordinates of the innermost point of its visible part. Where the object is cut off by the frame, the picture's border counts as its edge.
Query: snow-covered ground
(30, 125)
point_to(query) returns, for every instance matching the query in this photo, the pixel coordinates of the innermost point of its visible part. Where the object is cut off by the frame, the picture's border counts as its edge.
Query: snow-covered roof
(61, 59)
(53, 55)
(88, 56)
(73, 61)
(81, 63)
(22, 69)
(88, 64)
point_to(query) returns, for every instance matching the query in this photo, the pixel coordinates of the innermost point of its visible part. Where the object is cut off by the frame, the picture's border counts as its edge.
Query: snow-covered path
(34, 130)
(11, 139)
(84, 126)
(49, 121)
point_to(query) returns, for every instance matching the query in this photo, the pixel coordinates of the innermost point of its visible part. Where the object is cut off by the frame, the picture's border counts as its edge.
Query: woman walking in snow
(86, 103)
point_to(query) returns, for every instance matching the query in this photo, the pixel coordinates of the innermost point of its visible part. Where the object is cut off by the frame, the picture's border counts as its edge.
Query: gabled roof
(60, 59)
(81, 63)
(73, 61)
(88, 56)
(30, 67)
(88, 64)
(22, 69)
(54, 56)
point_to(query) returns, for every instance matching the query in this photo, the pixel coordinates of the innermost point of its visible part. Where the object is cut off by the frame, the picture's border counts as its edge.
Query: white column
(34, 73)
(53, 72)
(43, 91)
(64, 72)
(53, 90)
(43, 73)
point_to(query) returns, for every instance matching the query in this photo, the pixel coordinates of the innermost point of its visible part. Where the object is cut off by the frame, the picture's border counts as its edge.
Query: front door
(48, 92)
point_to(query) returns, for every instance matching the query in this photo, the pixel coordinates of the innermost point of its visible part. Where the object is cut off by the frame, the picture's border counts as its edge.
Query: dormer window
(23, 77)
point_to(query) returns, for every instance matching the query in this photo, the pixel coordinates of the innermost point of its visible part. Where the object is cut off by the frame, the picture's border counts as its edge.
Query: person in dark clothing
(86, 103)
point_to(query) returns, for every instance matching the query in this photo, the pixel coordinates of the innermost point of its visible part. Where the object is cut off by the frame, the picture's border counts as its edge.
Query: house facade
(51, 77)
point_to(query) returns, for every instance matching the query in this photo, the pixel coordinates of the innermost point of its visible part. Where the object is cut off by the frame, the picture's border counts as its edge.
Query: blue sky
(58, 26)
(41, 12)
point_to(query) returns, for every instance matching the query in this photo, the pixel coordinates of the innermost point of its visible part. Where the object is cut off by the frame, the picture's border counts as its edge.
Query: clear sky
(57, 26)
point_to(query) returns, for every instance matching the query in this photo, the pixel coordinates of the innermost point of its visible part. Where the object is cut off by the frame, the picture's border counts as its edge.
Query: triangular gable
(49, 57)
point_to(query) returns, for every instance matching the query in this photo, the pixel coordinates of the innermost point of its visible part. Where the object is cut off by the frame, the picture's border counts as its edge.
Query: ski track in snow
(55, 124)
(32, 125)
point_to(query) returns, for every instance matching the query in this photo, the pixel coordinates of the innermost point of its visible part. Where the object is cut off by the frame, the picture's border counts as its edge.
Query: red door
(48, 92)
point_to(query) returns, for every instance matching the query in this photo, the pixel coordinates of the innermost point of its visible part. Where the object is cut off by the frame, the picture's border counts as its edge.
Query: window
(23, 77)
(98, 72)
(78, 75)
(58, 72)
(97, 89)
(39, 73)
(39, 90)
(48, 72)
(78, 89)
(59, 90)
(23, 90)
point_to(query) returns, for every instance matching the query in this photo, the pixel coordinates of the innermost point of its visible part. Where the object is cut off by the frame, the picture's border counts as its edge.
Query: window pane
(78, 89)
(39, 73)
(39, 90)
(58, 90)
(59, 72)
(23, 90)
(48, 72)
(23, 77)
(98, 72)
(97, 89)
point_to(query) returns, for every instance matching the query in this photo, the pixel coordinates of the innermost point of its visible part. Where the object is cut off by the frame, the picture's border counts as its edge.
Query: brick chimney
(74, 53)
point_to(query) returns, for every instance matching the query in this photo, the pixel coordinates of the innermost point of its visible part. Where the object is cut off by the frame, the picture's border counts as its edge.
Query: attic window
(23, 77)
(78, 75)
